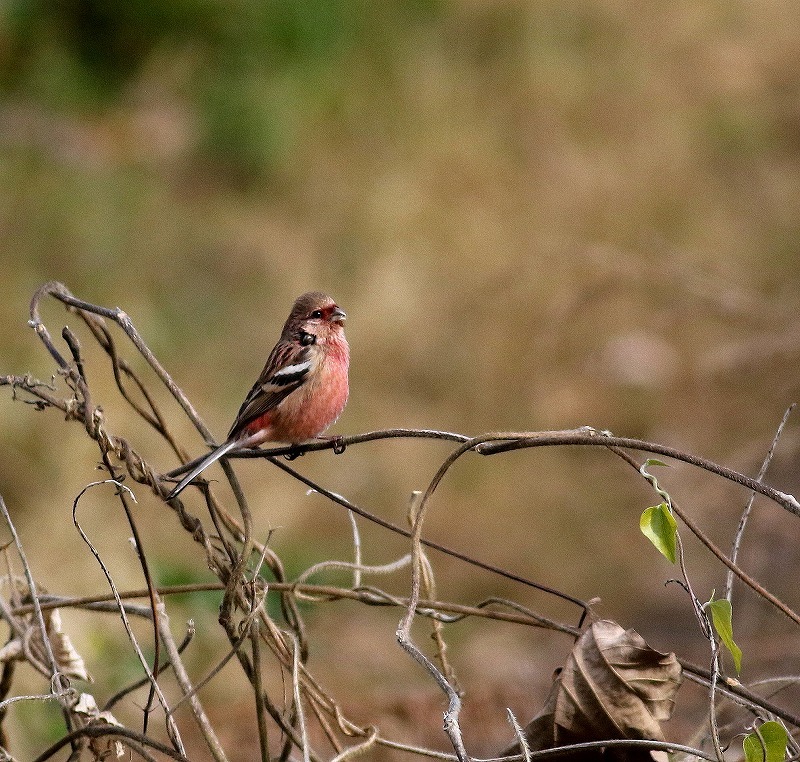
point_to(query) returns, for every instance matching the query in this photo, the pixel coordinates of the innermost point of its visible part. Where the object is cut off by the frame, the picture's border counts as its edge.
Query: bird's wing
(286, 369)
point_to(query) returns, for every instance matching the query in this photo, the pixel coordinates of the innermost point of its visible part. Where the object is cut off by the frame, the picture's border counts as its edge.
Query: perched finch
(302, 389)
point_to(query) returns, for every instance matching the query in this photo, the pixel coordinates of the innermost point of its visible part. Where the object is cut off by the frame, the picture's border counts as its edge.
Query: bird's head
(316, 319)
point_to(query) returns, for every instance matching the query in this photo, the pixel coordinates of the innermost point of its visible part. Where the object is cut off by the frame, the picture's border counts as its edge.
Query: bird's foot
(295, 452)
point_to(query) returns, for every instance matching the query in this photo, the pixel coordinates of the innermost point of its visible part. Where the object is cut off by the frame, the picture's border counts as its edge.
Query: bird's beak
(338, 316)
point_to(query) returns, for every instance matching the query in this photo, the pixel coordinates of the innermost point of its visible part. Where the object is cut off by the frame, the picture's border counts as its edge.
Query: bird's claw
(339, 445)
(294, 453)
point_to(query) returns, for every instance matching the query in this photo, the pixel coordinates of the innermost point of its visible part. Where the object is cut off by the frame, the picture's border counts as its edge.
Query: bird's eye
(316, 314)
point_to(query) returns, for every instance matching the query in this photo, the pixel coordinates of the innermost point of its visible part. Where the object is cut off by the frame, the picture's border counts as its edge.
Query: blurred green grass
(537, 215)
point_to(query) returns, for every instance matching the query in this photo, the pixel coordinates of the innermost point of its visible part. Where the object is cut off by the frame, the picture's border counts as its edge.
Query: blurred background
(538, 215)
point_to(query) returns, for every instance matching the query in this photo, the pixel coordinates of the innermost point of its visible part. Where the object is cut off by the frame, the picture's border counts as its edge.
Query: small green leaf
(770, 746)
(659, 526)
(656, 462)
(722, 617)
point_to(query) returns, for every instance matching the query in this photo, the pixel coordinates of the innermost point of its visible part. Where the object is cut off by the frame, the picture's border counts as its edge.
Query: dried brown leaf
(69, 661)
(103, 747)
(612, 686)
(86, 706)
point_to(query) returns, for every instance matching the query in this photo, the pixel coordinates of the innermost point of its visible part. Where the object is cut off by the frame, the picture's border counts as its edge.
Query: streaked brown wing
(286, 369)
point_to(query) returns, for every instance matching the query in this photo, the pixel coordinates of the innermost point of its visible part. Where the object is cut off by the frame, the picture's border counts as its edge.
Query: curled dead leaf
(103, 747)
(612, 686)
(69, 661)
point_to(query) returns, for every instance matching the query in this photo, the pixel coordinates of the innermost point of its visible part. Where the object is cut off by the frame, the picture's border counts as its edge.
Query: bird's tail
(212, 457)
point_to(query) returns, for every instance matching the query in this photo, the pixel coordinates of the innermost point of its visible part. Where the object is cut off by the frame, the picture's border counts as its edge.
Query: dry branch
(228, 545)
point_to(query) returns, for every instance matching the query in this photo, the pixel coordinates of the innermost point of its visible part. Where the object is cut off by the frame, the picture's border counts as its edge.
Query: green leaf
(656, 462)
(722, 617)
(659, 526)
(770, 747)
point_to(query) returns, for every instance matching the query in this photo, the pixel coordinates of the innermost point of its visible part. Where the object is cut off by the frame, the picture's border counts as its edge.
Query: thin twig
(451, 721)
(358, 749)
(258, 691)
(429, 543)
(61, 292)
(737, 540)
(126, 691)
(59, 685)
(737, 692)
(494, 443)
(110, 732)
(505, 442)
(214, 746)
(298, 702)
(356, 549)
(172, 728)
(307, 591)
(520, 734)
(148, 579)
(618, 743)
